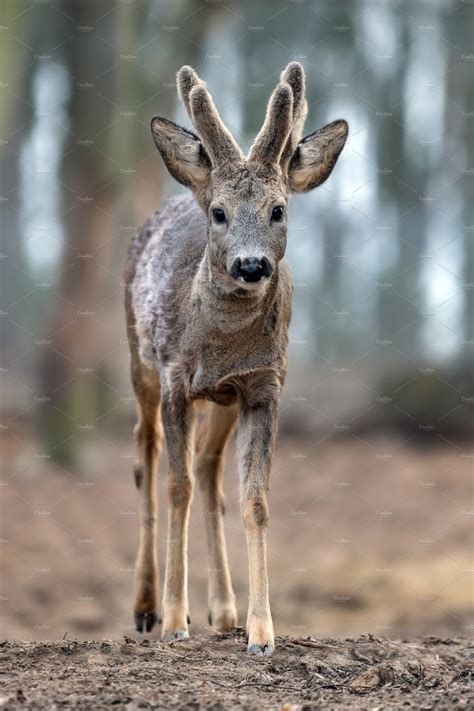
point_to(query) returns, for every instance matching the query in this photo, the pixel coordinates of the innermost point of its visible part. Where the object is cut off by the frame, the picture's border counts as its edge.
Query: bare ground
(213, 671)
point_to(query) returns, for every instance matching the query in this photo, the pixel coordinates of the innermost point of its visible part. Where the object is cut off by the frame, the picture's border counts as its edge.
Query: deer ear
(315, 156)
(183, 153)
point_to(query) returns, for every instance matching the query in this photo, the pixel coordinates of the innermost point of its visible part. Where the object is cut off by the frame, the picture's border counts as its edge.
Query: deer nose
(251, 269)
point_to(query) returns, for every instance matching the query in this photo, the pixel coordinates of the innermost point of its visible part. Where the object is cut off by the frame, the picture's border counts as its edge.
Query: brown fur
(276, 129)
(294, 76)
(200, 332)
(218, 140)
(186, 80)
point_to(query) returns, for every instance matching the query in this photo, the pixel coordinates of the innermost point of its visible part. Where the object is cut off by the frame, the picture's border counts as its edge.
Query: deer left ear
(315, 156)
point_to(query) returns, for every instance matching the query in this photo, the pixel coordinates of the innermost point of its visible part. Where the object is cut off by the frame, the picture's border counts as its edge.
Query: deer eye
(277, 213)
(218, 215)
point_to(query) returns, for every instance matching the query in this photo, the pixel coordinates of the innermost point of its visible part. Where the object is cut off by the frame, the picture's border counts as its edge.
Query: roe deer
(208, 302)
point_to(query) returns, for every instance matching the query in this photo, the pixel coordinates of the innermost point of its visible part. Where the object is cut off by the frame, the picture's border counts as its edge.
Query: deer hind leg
(212, 441)
(148, 437)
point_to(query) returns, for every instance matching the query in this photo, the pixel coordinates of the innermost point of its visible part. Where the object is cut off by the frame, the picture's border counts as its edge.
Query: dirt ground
(213, 672)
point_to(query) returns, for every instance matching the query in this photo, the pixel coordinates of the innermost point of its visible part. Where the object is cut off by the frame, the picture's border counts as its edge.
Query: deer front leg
(257, 430)
(212, 444)
(178, 423)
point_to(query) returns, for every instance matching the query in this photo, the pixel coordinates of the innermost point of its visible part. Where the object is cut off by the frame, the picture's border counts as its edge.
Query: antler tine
(216, 137)
(293, 74)
(271, 140)
(186, 80)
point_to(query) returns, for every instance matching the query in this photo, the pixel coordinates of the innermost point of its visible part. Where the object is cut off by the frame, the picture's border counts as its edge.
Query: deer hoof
(179, 634)
(223, 619)
(146, 620)
(261, 650)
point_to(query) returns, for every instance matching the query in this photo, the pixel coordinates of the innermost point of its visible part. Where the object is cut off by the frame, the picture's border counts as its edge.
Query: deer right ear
(183, 153)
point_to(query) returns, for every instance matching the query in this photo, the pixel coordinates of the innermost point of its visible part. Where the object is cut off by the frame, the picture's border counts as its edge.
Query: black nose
(251, 269)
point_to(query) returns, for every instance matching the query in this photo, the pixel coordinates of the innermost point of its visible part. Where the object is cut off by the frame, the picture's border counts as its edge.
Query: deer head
(245, 198)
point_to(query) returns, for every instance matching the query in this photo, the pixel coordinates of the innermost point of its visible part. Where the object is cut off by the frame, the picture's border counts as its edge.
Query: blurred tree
(67, 369)
(397, 191)
(15, 113)
(460, 115)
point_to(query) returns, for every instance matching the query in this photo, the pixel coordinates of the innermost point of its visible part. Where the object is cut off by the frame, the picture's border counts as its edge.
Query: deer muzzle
(251, 269)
